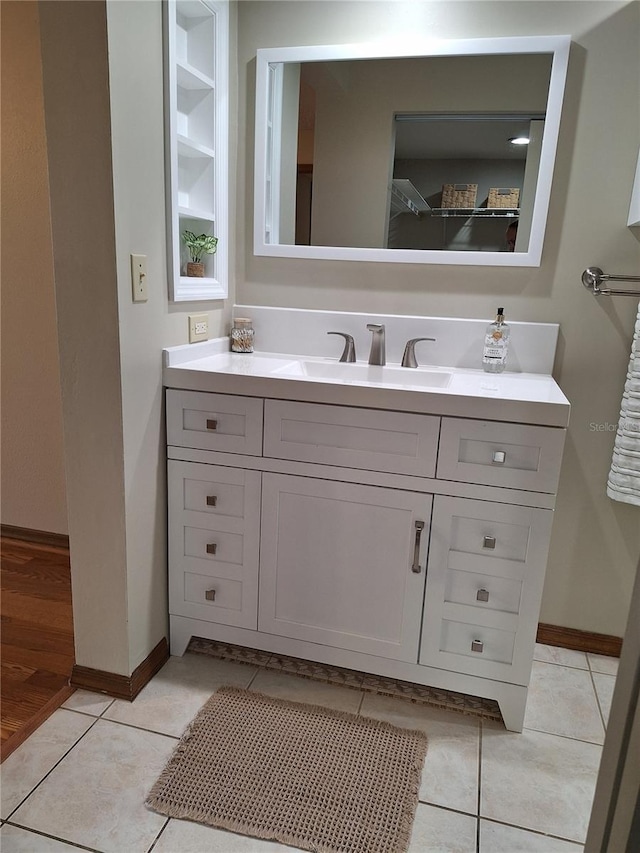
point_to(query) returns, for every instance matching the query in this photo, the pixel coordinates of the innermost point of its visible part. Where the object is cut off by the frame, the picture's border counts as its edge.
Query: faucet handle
(349, 351)
(409, 357)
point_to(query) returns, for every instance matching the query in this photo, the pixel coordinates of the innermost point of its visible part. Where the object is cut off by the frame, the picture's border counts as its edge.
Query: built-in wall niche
(196, 115)
(195, 35)
(196, 57)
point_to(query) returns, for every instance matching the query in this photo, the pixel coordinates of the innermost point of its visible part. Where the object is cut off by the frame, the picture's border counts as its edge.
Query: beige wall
(33, 488)
(111, 153)
(596, 541)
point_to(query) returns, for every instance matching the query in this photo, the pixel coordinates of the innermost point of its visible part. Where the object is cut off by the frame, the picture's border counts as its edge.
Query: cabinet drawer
(214, 422)
(213, 545)
(477, 641)
(355, 438)
(214, 524)
(216, 594)
(501, 454)
(486, 592)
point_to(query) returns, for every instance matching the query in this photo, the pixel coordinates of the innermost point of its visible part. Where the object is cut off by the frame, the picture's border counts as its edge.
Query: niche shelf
(196, 34)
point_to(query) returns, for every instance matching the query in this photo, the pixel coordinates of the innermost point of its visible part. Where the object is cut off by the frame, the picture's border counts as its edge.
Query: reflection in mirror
(408, 158)
(459, 182)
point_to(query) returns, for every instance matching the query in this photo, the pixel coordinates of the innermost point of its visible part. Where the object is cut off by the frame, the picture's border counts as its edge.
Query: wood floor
(37, 636)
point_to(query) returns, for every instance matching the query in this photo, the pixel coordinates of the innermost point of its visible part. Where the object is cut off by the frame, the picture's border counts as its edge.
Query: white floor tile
(541, 781)
(95, 796)
(174, 696)
(450, 774)
(538, 781)
(16, 840)
(497, 838)
(88, 703)
(296, 689)
(604, 664)
(562, 701)
(565, 657)
(604, 685)
(188, 837)
(439, 831)
(33, 759)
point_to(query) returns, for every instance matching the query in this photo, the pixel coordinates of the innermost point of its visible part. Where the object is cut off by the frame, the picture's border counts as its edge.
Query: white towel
(624, 477)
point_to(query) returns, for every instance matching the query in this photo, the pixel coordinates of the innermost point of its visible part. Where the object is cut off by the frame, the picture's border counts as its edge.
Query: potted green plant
(198, 246)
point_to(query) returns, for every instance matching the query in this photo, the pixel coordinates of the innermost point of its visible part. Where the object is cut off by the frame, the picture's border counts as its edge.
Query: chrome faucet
(377, 354)
(349, 351)
(409, 357)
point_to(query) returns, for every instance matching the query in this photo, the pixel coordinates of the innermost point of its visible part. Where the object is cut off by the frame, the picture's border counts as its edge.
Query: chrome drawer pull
(212, 548)
(212, 500)
(210, 595)
(419, 525)
(212, 423)
(499, 457)
(477, 646)
(482, 595)
(489, 542)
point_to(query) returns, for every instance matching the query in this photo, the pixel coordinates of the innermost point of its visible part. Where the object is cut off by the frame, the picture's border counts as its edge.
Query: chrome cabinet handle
(419, 525)
(499, 457)
(212, 548)
(210, 594)
(212, 423)
(212, 500)
(489, 542)
(482, 595)
(477, 646)
(349, 351)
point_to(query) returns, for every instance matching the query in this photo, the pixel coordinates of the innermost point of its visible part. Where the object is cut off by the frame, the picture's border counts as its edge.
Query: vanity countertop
(457, 392)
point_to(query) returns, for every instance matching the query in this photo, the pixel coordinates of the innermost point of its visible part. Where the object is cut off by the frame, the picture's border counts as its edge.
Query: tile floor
(79, 782)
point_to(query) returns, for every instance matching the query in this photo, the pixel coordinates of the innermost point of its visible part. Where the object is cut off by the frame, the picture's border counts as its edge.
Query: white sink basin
(371, 375)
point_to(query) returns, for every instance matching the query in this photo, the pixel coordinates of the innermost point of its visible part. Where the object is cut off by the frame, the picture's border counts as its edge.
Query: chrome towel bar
(593, 277)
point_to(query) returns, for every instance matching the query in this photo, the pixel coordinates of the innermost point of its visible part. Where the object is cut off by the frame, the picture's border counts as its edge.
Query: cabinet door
(484, 584)
(214, 525)
(343, 565)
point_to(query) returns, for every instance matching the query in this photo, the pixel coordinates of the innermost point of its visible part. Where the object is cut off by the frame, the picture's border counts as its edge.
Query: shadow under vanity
(386, 526)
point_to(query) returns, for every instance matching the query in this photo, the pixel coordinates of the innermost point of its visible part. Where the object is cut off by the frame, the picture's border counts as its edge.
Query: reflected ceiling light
(519, 140)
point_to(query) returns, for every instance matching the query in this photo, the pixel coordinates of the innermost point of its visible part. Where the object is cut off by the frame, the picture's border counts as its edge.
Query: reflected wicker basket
(459, 195)
(501, 197)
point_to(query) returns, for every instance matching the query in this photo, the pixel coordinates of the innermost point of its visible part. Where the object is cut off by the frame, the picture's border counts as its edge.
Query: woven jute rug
(304, 775)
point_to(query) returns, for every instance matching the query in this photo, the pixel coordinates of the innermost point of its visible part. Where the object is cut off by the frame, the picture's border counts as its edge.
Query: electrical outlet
(198, 327)
(139, 278)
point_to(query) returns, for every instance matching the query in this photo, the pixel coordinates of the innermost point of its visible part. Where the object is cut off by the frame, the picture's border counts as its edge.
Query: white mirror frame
(267, 58)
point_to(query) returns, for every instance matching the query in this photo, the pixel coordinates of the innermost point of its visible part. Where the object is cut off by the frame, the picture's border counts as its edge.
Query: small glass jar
(242, 334)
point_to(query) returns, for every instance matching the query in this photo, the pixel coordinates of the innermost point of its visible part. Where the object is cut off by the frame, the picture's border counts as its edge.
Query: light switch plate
(139, 290)
(198, 328)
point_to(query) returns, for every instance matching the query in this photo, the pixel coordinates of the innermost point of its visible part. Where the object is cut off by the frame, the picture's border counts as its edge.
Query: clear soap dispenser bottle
(496, 344)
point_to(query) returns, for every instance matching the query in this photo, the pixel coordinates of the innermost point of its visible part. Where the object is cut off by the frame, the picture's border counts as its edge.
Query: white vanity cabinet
(403, 544)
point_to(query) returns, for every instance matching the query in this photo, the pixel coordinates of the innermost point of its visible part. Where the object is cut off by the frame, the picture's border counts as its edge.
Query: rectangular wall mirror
(411, 154)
